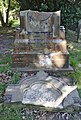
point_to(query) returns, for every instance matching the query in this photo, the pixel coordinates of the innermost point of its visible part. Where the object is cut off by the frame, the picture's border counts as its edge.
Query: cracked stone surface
(41, 89)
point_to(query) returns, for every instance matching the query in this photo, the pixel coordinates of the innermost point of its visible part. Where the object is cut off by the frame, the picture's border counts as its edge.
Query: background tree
(7, 7)
(7, 12)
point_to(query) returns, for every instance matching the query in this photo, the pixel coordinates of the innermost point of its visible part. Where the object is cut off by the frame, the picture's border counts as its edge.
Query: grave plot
(40, 45)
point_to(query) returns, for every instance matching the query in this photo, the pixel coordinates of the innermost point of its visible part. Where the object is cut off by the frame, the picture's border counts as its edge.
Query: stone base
(34, 60)
(26, 69)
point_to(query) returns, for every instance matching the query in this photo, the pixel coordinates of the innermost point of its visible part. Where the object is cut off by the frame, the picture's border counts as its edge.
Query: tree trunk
(2, 20)
(7, 13)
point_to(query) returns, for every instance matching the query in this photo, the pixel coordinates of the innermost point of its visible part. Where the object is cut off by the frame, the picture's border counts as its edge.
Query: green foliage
(76, 76)
(14, 112)
(75, 60)
(70, 9)
(71, 13)
(15, 23)
(43, 7)
(6, 59)
(2, 87)
(15, 77)
(5, 63)
(10, 113)
(9, 10)
(5, 68)
(75, 54)
(2, 90)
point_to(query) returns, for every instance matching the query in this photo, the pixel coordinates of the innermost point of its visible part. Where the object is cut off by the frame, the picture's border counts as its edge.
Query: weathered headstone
(44, 23)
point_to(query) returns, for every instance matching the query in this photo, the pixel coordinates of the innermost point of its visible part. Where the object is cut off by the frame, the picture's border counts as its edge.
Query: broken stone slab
(46, 95)
(44, 90)
(15, 93)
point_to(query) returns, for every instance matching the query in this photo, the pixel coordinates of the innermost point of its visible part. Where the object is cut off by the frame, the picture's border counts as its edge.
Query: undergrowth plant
(5, 63)
(75, 60)
(15, 77)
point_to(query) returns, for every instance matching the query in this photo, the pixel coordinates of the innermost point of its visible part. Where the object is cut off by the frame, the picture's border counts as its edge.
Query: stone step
(55, 70)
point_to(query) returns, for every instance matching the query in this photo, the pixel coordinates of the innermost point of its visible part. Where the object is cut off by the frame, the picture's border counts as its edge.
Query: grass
(5, 63)
(16, 111)
(10, 112)
(15, 77)
(75, 60)
(6, 66)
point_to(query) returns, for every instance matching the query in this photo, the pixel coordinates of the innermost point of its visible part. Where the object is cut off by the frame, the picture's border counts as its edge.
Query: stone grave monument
(40, 45)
